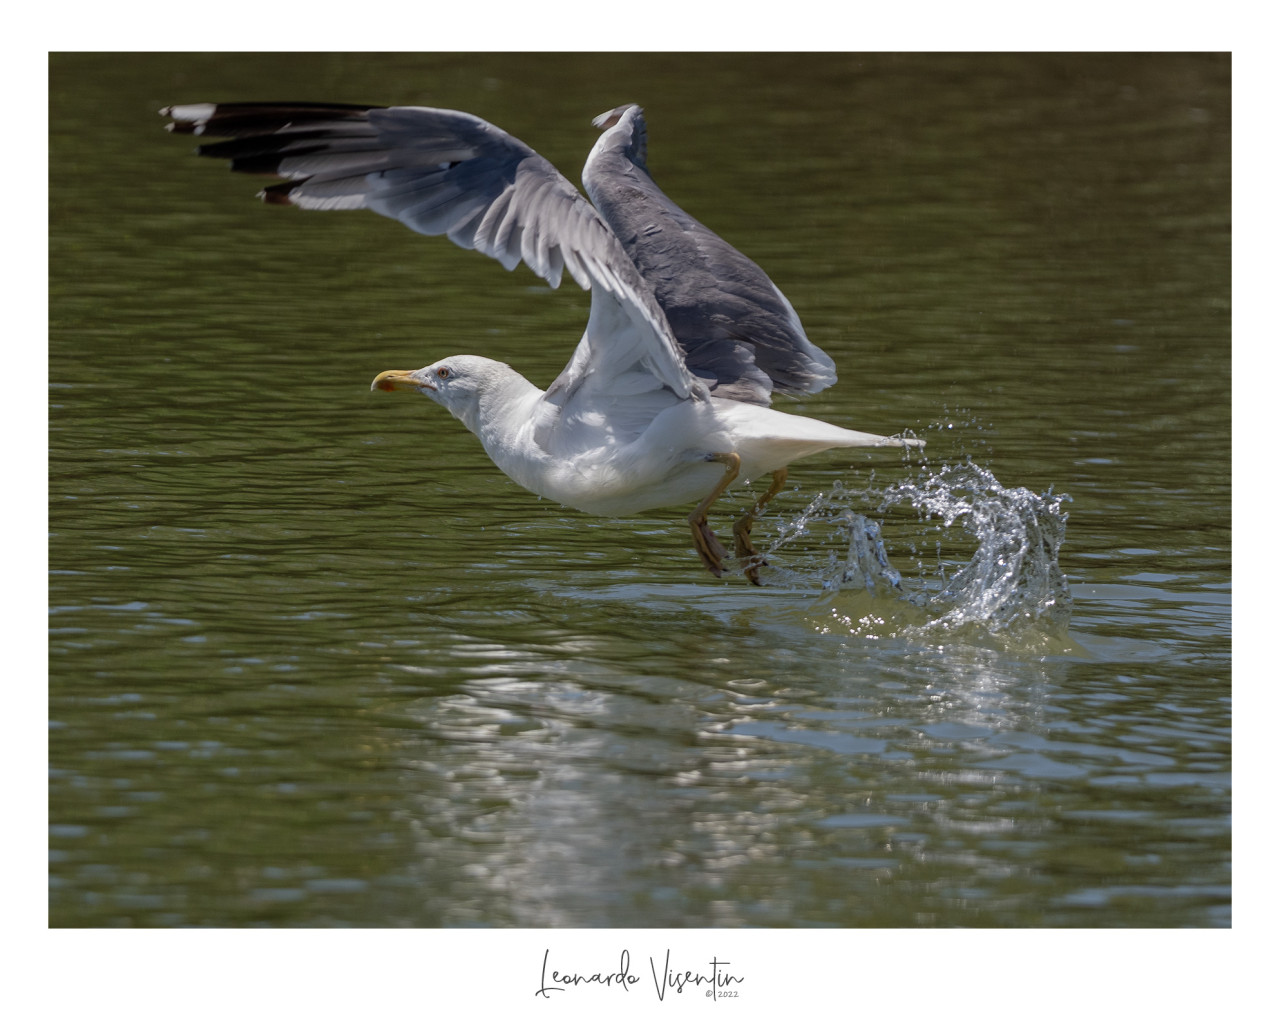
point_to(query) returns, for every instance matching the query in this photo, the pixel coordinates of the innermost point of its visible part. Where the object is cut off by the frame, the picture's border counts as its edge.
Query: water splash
(1010, 587)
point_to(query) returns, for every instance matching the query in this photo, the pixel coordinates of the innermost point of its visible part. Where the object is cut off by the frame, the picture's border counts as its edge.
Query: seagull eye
(443, 372)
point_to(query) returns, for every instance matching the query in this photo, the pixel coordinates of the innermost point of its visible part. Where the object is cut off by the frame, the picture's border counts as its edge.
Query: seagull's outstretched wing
(448, 172)
(737, 330)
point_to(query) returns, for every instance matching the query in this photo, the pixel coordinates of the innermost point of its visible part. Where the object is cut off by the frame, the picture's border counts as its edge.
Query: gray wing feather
(736, 328)
(441, 172)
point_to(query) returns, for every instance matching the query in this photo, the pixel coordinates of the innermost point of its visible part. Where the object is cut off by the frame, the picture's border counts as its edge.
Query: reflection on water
(585, 794)
(314, 663)
(584, 780)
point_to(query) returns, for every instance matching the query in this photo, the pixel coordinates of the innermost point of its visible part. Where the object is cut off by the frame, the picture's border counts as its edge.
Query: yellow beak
(395, 379)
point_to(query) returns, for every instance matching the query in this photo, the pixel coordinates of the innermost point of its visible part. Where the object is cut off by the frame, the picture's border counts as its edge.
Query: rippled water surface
(314, 662)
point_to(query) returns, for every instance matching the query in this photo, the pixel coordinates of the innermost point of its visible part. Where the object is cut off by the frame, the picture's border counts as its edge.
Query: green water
(314, 662)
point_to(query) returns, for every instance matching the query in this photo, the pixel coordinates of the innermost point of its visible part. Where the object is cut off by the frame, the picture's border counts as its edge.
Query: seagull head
(460, 383)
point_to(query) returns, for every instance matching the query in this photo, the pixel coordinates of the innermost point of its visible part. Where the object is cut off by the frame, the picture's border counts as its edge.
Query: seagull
(666, 400)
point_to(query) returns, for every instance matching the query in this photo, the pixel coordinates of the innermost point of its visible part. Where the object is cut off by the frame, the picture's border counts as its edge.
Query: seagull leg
(705, 542)
(742, 530)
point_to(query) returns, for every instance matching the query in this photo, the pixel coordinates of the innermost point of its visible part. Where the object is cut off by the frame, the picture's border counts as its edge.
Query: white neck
(504, 418)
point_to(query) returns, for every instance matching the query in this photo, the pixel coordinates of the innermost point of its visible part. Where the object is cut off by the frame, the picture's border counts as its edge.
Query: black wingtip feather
(235, 120)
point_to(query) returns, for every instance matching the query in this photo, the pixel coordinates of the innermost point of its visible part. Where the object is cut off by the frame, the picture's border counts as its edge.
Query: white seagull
(666, 398)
